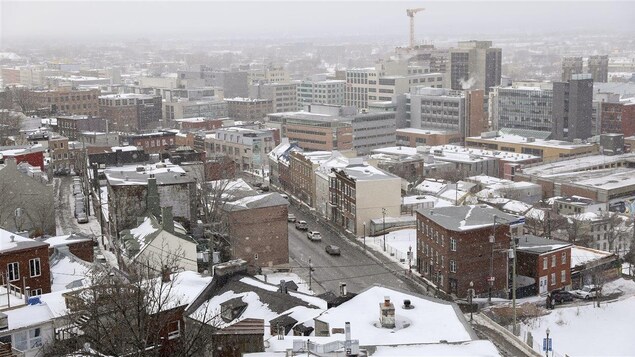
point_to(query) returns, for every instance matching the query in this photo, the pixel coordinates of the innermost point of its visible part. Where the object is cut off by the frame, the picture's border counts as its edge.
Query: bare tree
(139, 314)
(10, 123)
(25, 100)
(578, 230)
(616, 230)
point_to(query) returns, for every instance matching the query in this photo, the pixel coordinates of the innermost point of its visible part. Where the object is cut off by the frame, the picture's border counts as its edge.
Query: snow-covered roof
(58, 241)
(584, 255)
(257, 201)
(576, 164)
(68, 272)
(29, 315)
(12, 242)
(465, 218)
(430, 321)
(534, 244)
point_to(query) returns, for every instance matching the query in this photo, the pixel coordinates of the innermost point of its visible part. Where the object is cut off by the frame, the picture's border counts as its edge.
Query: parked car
(314, 236)
(560, 296)
(82, 218)
(284, 196)
(77, 190)
(333, 250)
(587, 292)
(290, 217)
(79, 208)
(301, 225)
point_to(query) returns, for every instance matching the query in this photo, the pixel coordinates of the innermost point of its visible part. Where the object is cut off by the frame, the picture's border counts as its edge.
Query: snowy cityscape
(319, 178)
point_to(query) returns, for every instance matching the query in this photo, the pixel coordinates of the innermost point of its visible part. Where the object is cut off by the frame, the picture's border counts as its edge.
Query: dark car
(333, 250)
(560, 296)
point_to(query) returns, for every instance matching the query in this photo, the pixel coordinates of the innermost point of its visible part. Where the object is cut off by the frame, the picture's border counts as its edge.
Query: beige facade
(247, 148)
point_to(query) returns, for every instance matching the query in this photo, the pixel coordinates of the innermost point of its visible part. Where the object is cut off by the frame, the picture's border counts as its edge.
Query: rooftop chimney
(167, 220)
(152, 197)
(347, 330)
(343, 290)
(387, 313)
(283, 286)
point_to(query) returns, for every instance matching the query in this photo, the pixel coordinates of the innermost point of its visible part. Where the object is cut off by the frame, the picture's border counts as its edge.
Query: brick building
(194, 124)
(418, 137)
(258, 231)
(79, 246)
(302, 167)
(131, 112)
(249, 109)
(31, 154)
(72, 126)
(150, 142)
(314, 132)
(454, 248)
(69, 101)
(547, 261)
(25, 262)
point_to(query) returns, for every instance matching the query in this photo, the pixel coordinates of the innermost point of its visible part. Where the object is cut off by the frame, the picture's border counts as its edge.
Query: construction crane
(411, 14)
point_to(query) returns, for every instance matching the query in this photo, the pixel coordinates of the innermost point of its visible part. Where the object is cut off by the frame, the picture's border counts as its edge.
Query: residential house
(546, 261)
(157, 244)
(27, 202)
(360, 192)
(279, 170)
(459, 245)
(302, 167)
(24, 263)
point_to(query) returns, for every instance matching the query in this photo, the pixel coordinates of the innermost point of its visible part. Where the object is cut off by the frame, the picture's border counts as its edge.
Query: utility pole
(310, 277)
(491, 264)
(383, 212)
(364, 224)
(514, 243)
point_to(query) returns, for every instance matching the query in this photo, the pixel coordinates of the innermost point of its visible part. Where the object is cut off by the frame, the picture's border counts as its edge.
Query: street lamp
(490, 279)
(383, 212)
(546, 346)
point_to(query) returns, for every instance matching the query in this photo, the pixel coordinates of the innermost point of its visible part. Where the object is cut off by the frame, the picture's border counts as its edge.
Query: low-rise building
(314, 132)
(248, 148)
(72, 126)
(547, 261)
(151, 143)
(130, 112)
(69, 101)
(249, 109)
(283, 95)
(360, 193)
(459, 245)
(25, 264)
(184, 109)
(418, 137)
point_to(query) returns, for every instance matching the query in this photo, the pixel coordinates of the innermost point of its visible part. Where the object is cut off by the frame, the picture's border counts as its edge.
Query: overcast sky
(209, 19)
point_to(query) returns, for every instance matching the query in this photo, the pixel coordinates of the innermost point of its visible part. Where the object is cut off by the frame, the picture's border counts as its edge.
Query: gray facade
(437, 108)
(234, 84)
(323, 92)
(475, 65)
(571, 66)
(523, 108)
(598, 68)
(572, 108)
(373, 131)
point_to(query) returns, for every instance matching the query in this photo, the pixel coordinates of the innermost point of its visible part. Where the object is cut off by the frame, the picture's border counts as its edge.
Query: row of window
(545, 260)
(13, 269)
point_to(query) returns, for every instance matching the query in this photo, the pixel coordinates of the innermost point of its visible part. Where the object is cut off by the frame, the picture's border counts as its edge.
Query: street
(64, 213)
(354, 267)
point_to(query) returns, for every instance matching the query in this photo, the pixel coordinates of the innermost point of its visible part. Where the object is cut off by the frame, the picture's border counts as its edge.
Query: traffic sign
(518, 222)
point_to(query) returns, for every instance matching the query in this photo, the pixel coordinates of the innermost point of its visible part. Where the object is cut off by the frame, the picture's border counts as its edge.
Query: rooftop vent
(407, 305)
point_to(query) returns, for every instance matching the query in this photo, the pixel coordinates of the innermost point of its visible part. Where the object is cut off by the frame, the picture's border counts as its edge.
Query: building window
(452, 266)
(453, 244)
(563, 276)
(34, 267)
(564, 258)
(174, 329)
(553, 278)
(544, 263)
(36, 292)
(553, 260)
(28, 339)
(13, 270)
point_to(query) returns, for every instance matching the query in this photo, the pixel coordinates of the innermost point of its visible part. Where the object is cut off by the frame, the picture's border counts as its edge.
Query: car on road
(79, 208)
(284, 196)
(314, 236)
(587, 292)
(559, 296)
(291, 217)
(82, 218)
(333, 249)
(301, 225)
(77, 189)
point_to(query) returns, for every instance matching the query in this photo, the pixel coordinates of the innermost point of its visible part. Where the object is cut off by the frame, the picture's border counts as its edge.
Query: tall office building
(522, 107)
(475, 65)
(571, 66)
(598, 68)
(572, 108)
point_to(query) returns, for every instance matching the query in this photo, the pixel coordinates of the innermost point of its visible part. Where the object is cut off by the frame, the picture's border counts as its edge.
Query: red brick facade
(453, 259)
(26, 277)
(260, 236)
(553, 267)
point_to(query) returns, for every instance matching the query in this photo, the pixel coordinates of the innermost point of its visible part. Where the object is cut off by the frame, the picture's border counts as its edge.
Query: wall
(261, 232)
(166, 249)
(22, 257)
(373, 195)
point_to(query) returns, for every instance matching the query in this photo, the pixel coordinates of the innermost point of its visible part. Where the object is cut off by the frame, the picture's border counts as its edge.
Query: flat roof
(517, 139)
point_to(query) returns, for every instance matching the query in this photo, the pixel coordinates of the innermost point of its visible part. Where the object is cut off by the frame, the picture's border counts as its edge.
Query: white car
(314, 236)
(587, 292)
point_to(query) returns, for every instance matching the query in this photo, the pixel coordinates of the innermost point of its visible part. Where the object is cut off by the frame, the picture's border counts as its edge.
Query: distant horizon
(100, 21)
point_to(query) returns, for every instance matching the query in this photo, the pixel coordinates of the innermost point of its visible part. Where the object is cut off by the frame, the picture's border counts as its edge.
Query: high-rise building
(282, 95)
(523, 107)
(320, 92)
(572, 108)
(571, 66)
(475, 65)
(598, 67)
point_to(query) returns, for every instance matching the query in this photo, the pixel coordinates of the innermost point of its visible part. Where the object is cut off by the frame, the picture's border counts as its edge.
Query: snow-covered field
(397, 245)
(585, 330)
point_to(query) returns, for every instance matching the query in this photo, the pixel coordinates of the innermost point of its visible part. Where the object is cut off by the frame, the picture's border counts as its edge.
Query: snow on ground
(397, 245)
(275, 278)
(584, 330)
(67, 273)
